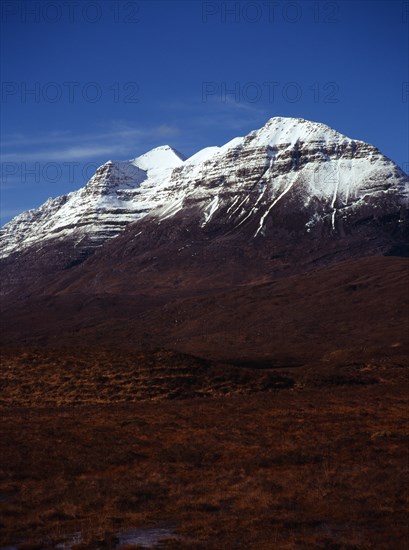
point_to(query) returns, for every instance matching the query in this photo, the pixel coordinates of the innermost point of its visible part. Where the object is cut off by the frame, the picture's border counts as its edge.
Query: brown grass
(91, 376)
(321, 464)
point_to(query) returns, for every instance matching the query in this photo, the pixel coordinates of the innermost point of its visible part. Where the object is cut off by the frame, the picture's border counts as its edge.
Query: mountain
(320, 176)
(240, 315)
(154, 250)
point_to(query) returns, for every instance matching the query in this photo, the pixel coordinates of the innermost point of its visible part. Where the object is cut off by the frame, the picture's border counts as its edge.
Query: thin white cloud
(62, 154)
(120, 140)
(216, 112)
(166, 130)
(52, 137)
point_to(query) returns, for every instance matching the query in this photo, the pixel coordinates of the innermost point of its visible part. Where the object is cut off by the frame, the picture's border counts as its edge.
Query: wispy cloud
(166, 130)
(121, 139)
(118, 139)
(62, 154)
(216, 112)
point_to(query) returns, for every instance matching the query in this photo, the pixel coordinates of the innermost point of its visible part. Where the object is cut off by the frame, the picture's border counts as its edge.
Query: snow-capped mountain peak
(282, 130)
(290, 169)
(159, 158)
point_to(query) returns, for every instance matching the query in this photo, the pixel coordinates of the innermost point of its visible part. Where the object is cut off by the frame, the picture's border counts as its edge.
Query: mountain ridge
(268, 249)
(290, 197)
(263, 163)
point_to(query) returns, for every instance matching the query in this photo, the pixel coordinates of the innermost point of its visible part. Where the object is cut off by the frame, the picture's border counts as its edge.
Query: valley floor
(321, 462)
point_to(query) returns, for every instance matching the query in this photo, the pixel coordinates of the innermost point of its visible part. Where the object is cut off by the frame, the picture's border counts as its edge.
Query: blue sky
(87, 81)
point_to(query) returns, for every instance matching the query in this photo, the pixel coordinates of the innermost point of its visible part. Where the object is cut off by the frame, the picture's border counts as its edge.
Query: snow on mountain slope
(119, 193)
(304, 165)
(327, 173)
(160, 158)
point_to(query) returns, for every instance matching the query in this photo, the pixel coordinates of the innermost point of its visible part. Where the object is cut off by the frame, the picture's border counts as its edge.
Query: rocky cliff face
(288, 181)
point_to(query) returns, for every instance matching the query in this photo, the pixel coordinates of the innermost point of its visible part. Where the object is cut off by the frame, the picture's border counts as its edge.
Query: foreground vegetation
(320, 462)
